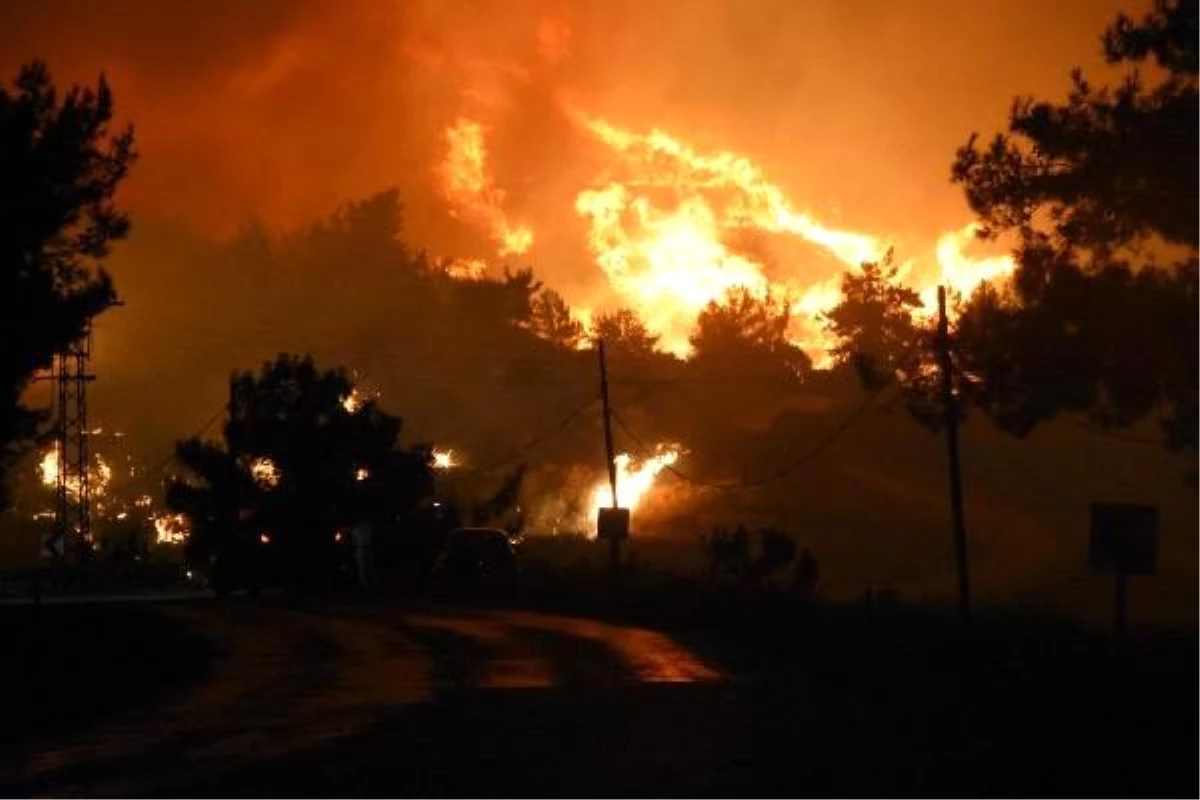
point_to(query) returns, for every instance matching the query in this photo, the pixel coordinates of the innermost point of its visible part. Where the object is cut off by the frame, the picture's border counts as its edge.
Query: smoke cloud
(276, 112)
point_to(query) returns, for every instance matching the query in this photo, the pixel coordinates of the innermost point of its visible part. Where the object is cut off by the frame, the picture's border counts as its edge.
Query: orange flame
(171, 528)
(961, 273)
(670, 259)
(664, 220)
(469, 187)
(444, 459)
(99, 473)
(634, 481)
(466, 269)
(265, 472)
(352, 402)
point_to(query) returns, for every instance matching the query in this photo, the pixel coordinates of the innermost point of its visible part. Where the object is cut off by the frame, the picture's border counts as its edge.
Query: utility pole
(950, 416)
(614, 542)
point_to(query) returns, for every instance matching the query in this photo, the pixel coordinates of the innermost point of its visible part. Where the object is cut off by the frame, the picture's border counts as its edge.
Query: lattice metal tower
(73, 498)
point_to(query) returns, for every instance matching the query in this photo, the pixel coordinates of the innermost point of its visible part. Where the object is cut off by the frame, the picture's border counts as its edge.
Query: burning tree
(59, 168)
(299, 466)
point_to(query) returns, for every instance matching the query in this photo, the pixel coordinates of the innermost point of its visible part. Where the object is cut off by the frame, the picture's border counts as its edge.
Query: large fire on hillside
(671, 227)
(664, 223)
(668, 212)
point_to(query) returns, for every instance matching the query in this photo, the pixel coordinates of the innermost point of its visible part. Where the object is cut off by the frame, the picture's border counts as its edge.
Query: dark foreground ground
(670, 689)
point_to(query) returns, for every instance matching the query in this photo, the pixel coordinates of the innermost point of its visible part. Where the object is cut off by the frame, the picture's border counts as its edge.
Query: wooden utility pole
(614, 542)
(950, 416)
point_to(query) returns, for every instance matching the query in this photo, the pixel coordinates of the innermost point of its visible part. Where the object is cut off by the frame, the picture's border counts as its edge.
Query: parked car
(476, 564)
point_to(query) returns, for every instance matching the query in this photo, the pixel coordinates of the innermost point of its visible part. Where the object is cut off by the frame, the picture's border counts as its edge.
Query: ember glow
(444, 459)
(469, 188)
(667, 225)
(634, 480)
(49, 466)
(265, 472)
(171, 529)
(352, 402)
(467, 269)
(99, 473)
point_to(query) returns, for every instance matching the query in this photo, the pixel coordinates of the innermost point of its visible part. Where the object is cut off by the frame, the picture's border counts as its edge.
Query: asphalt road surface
(289, 684)
(268, 698)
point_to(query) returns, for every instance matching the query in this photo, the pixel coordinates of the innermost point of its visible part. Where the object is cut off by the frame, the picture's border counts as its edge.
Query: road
(269, 698)
(293, 683)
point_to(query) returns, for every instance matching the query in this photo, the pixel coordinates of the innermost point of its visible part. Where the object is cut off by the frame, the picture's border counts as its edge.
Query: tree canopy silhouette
(1100, 195)
(59, 170)
(880, 337)
(625, 334)
(551, 319)
(1111, 166)
(874, 325)
(748, 335)
(300, 463)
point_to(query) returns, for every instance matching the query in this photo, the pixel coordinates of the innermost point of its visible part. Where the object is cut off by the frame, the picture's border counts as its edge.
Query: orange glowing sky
(848, 113)
(278, 109)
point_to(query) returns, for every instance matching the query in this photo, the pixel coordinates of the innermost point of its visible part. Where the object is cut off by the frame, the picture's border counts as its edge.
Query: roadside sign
(1123, 538)
(612, 523)
(1123, 543)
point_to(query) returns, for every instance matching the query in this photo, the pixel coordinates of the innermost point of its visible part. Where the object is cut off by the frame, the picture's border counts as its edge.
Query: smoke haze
(279, 110)
(276, 112)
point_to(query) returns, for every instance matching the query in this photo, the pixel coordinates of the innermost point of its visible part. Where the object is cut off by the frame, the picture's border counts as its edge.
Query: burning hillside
(672, 229)
(518, 145)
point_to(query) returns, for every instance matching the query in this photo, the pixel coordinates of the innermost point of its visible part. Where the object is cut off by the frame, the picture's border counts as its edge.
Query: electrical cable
(822, 444)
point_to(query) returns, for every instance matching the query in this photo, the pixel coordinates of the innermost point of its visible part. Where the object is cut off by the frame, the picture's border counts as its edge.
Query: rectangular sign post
(1123, 542)
(612, 524)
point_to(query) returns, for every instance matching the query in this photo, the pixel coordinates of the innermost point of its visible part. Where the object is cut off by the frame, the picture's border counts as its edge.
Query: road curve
(289, 681)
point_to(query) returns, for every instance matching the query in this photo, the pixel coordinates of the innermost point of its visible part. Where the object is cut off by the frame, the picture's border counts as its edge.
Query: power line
(458, 366)
(165, 462)
(832, 436)
(1090, 427)
(1114, 435)
(538, 439)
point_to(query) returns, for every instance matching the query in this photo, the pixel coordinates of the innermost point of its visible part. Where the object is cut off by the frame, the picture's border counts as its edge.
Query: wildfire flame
(265, 472)
(469, 187)
(960, 272)
(49, 466)
(634, 479)
(467, 269)
(444, 459)
(352, 402)
(664, 222)
(171, 528)
(99, 473)
(661, 231)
